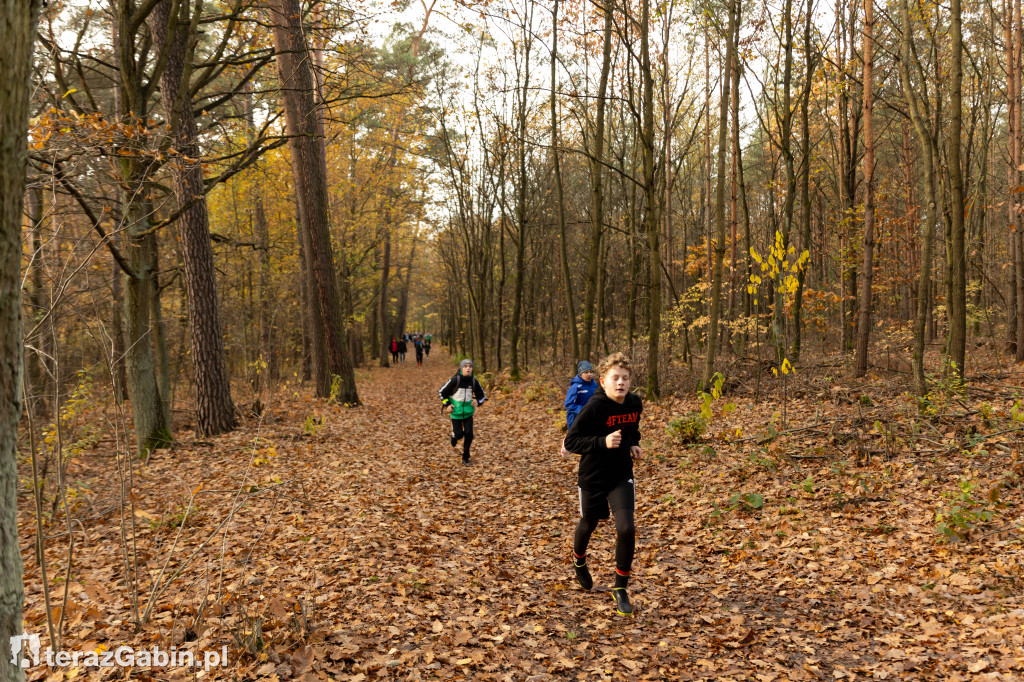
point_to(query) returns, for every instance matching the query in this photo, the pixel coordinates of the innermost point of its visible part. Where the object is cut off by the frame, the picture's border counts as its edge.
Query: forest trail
(357, 546)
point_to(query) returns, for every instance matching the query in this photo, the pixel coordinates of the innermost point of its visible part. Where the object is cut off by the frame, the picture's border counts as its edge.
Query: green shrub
(966, 513)
(536, 393)
(688, 428)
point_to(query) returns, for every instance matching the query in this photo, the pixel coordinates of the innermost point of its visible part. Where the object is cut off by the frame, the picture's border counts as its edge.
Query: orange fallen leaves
(364, 550)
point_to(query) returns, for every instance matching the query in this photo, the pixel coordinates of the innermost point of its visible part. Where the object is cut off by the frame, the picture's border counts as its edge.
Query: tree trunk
(517, 291)
(269, 365)
(215, 411)
(956, 346)
(403, 298)
(382, 296)
(570, 307)
(1015, 62)
(848, 124)
(310, 347)
(867, 265)
(741, 185)
(715, 306)
(928, 179)
(17, 36)
(301, 114)
(163, 359)
(596, 185)
(652, 225)
(786, 150)
(805, 179)
(37, 360)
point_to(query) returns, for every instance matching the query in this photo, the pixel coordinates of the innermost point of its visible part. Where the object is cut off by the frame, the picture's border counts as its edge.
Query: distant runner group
(602, 420)
(400, 346)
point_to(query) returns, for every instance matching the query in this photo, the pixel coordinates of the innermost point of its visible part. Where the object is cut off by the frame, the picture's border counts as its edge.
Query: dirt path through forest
(360, 547)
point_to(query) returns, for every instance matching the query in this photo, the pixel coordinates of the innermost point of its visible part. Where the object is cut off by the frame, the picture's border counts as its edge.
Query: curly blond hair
(614, 360)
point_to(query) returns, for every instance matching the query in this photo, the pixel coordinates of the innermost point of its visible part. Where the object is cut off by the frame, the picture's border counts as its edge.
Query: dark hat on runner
(465, 362)
(584, 366)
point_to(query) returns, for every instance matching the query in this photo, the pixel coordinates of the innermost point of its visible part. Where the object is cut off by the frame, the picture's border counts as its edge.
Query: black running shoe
(465, 461)
(454, 441)
(583, 576)
(622, 604)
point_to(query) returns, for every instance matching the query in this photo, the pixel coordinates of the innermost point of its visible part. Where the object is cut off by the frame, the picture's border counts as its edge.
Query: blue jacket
(576, 397)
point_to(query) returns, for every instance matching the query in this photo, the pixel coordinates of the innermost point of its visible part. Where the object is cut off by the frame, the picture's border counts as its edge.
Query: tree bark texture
(867, 267)
(929, 149)
(563, 255)
(957, 342)
(597, 188)
(517, 291)
(805, 181)
(311, 189)
(215, 411)
(382, 297)
(652, 225)
(715, 305)
(17, 35)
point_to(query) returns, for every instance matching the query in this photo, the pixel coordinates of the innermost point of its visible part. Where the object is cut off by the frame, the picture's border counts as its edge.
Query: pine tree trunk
(1017, 159)
(303, 122)
(215, 411)
(957, 271)
(17, 35)
(382, 297)
(867, 264)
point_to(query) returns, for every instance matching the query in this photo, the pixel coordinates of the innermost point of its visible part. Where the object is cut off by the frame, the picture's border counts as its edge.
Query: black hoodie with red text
(601, 469)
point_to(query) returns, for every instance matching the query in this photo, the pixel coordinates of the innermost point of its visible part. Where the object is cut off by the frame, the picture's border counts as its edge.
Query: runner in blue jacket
(580, 390)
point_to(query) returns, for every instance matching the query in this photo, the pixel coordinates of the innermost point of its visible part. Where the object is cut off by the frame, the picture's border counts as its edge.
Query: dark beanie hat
(584, 366)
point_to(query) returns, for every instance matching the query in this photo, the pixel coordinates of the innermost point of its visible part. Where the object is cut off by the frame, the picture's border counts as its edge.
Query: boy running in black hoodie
(607, 438)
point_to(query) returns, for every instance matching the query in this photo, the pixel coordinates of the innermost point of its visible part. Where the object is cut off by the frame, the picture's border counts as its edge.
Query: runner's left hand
(636, 452)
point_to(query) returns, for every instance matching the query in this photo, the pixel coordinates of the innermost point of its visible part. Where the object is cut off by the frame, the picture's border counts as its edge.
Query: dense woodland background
(228, 198)
(224, 193)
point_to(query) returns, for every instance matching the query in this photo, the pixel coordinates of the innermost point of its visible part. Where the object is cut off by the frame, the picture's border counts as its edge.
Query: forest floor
(323, 542)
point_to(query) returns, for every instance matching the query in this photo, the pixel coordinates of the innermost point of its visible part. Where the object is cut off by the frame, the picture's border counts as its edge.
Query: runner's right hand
(613, 439)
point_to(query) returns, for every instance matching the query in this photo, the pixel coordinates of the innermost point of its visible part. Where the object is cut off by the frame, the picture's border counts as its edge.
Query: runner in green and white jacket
(460, 396)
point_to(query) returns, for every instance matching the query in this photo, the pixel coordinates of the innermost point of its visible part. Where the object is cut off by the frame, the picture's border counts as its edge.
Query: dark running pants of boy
(462, 429)
(594, 507)
(394, 356)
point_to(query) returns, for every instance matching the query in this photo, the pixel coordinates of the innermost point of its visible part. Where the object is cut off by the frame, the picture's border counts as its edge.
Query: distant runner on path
(606, 435)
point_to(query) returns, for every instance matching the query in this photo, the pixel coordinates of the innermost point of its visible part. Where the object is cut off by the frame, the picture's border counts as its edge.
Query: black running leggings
(622, 501)
(463, 429)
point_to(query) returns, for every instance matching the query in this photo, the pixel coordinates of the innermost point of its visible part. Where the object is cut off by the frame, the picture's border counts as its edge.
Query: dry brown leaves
(352, 544)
